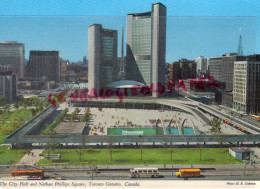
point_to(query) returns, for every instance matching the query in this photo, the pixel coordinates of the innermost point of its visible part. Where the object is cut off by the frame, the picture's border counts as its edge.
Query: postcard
(129, 94)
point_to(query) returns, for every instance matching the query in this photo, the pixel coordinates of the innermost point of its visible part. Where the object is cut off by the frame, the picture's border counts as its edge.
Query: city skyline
(187, 35)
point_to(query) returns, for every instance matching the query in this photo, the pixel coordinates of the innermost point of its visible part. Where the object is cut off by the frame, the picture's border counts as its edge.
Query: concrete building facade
(187, 69)
(228, 69)
(183, 69)
(215, 68)
(12, 53)
(201, 64)
(102, 55)
(247, 86)
(44, 63)
(222, 68)
(146, 46)
(8, 83)
(242, 153)
(174, 72)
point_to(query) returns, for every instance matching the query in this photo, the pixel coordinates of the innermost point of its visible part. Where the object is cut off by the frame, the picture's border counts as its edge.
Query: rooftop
(70, 127)
(241, 149)
(125, 84)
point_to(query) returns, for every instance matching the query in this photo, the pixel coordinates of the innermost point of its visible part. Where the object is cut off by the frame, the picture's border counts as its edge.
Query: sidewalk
(32, 158)
(217, 167)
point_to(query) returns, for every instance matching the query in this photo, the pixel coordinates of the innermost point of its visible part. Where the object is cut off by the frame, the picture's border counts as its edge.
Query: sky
(194, 27)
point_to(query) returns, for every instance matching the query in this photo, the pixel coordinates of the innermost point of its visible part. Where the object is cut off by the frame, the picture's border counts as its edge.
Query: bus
(144, 172)
(255, 117)
(30, 174)
(183, 173)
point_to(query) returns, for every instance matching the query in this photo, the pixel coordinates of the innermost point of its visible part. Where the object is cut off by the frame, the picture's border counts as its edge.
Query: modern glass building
(12, 53)
(146, 44)
(102, 54)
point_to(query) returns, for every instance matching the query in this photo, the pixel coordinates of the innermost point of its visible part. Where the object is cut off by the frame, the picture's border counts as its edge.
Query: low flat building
(242, 153)
(70, 128)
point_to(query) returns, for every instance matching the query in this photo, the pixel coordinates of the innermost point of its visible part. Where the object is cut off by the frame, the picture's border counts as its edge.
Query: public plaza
(104, 119)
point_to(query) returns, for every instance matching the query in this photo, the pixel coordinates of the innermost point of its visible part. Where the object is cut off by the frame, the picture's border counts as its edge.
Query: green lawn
(24, 114)
(10, 156)
(149, 156)
(2, 136)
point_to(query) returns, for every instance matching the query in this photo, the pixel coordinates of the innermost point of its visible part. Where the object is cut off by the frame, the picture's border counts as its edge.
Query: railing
(149, 139)
(25, 125)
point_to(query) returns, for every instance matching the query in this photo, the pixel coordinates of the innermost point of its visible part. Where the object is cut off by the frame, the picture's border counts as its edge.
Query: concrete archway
(171, 122)
(162, 124)
(193, 126)
(177, 124)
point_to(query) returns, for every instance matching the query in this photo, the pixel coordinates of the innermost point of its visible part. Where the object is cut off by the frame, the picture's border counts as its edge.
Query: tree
(81, 146)
(73, 116)
(5, 129)
(16, 123)
(111, 148)
(16, 105)
(46, 104)
(86, 116)
(77, 110)
(3, 118)
(24, 104)
(20, 98)
(33, 110)
(7, 108)
(2, 100)
(41, 108)
(215, 123)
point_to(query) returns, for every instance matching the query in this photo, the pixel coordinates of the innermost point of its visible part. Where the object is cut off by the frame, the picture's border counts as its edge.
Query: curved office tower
(102, 54)
(146, 44)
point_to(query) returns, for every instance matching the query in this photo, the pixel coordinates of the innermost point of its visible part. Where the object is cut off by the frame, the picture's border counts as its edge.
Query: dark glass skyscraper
(44, 63)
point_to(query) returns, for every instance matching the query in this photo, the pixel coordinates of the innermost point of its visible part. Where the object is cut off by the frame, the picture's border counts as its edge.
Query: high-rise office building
(187, 69)
(12, 53)
(174, 72)
(102, 57)
(201, 64)
(215, 68)
(183, 69)
(228, 69)
(146, 44)
(85, 61)
(247, 85)
(8, 84)
(222, 68)
(44, 64)
(63, 66)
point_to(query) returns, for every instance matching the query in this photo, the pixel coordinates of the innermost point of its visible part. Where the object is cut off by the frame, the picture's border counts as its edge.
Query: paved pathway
(32, 158)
